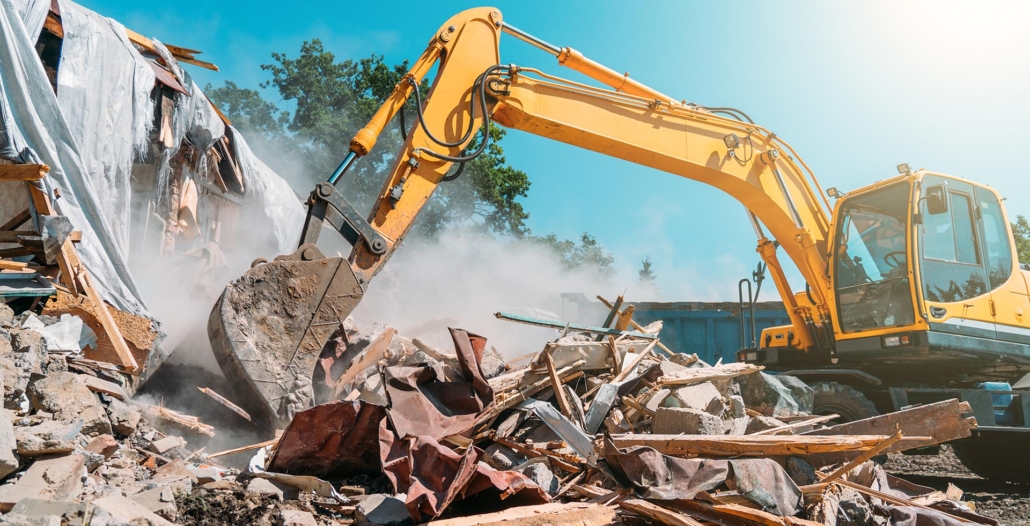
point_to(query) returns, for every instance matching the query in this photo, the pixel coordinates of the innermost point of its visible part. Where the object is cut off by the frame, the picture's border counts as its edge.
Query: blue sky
(855, 87)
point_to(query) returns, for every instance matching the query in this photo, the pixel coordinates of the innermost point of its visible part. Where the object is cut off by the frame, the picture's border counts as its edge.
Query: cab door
(953, 271)
(1010, 302)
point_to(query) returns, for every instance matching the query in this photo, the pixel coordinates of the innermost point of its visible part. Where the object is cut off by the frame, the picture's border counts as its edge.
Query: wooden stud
(23, 172)
(17, 220)
(556, 384)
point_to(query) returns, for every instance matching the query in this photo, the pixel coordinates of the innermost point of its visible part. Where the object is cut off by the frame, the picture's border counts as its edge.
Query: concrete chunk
(160, 501)
(70, 512)
(541, 476)
(124, 417)
(264, 487)
(685, 420)
(296, 518)
(382, 510)
(104, 445)
(125, 509)
(775, 395)
(8, 446)
(66, 395)
(16, 519)
(698, 396)
(58, 478)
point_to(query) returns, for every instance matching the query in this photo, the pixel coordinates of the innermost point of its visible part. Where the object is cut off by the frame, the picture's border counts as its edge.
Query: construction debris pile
(600, 426)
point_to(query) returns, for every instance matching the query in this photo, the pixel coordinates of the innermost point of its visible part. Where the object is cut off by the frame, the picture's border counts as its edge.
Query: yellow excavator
(913, 289)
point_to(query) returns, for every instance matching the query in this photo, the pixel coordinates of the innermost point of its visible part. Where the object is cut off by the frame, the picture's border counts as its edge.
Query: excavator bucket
(268, 328)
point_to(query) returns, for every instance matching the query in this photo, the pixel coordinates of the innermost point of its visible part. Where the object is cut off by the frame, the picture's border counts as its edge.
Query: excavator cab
(925, 281)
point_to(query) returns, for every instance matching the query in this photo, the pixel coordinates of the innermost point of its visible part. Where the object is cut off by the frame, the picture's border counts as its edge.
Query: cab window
(996, 238)
(952, 263)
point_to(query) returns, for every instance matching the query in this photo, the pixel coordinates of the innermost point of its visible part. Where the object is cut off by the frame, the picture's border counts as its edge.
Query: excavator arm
(270, 325)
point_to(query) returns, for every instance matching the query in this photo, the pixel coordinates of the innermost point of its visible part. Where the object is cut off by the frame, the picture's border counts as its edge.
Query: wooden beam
(557, 386)
(53, 25)
(635, 325)
(12, 265)
(14, 252)
(148, 44)
(627, 369)
(751, 445)
(658, 513)
(23, 172)
(373, 353)
(939, 422)
(880, 448)
(17, 220)
(107, 321)
(795, 425)
(705, 374)
(579, 513)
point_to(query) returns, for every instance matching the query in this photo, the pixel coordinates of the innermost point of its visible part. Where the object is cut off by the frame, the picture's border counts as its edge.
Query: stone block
(775, 395)
(697, 396)
(761, 423)
(104, 445)
(68, 398)
(296, 518)
(124, 509)
(382, 510)
(58, 478)
(124, 417)
(685, 420)
(541, 476)
(160, 501)
(72, 513)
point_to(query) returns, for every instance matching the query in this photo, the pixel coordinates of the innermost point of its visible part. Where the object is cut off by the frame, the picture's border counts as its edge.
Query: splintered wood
(752, 445)
(176, 419)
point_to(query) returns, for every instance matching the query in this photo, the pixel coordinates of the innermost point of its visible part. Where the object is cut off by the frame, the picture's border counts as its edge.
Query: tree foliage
(587, 254)
(1021, 231)
(646, 274)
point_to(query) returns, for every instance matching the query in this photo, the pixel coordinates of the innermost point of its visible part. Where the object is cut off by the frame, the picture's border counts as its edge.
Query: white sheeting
(103, 86)
(273, 195)
(33, 15)
(35, 130)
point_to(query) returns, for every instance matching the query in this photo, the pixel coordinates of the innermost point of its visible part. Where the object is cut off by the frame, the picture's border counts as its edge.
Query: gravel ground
(1008, 503)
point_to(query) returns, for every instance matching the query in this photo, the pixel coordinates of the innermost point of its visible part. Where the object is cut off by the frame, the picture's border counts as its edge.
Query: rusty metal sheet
(166, 78)
(662, 477)
(423, 402)
(332, 440)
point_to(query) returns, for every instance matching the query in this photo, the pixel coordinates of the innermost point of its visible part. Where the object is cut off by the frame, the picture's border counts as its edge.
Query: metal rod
(786, 196)
(344, 166)
(530, 39)
(755, 224)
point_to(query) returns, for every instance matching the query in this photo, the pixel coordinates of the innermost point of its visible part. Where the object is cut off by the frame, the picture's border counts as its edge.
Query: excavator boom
(269, 326)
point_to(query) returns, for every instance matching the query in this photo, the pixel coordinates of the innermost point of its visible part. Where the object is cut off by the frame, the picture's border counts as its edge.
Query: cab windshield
(870, 262)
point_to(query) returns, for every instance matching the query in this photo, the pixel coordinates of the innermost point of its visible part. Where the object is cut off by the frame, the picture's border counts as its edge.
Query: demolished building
(111, 158)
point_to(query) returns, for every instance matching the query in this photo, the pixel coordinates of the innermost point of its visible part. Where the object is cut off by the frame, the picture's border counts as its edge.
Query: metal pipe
(344, 166)
(530, 39)
(786, 196)
(755, 224)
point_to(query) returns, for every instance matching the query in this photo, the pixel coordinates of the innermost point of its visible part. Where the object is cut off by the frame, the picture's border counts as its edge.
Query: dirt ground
(1008, 503)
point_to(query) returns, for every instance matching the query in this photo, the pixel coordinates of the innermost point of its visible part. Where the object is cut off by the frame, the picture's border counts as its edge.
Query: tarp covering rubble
(95, 126)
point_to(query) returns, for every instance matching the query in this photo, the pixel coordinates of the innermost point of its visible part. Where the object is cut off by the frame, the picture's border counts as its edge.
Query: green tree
(646, 274)
(332, 100)
(587, 254)
(1021, 231)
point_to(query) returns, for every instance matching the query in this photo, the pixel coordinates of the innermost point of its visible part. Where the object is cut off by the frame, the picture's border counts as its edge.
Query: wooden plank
(623, 319)
(629, 368)
(23, 172)
(14, 252)
(939, 422)
(895, 500)
(706, 374)
(225, 402)
(148, 44)
(17, 220)
(578, 513)
(658, 513)
(737, 514)
(53, 25)
(12, 265)
(107, 321)
(373, 353)
(880, 448)
(103, 386)
(556, 384)
(636, 326)
(751, 445)
(795, 425)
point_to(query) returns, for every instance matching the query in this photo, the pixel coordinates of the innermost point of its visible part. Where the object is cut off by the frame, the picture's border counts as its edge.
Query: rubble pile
(602, 426)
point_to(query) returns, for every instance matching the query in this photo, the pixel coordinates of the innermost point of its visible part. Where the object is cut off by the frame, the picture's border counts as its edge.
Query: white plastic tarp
(33, 129)
(103, 86)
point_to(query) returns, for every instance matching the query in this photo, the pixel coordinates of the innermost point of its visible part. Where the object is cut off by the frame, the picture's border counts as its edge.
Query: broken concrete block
(658, 399)
(685, 420)
(6, 315)
(373, 391)
(58, 478)
(296, 518)
(775, 395)
(800, 471)
(501, 457)
(541, 476)
(160, 501)
(735, 407)
(265, 487)
(71, 513)
(205, 475)
(492, 363)
(47, 437)
(104, 445)
(124, 417)
(382, 510)
(17, 519)
(66, 395)
(697, 396)
(8, 445)
(761, 423)
(165, 444)
(734, 426)
(125, 509)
